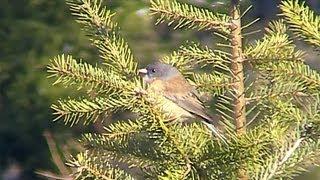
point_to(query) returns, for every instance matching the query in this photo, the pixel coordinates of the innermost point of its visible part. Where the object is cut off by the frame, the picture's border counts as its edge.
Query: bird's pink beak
(142, 72)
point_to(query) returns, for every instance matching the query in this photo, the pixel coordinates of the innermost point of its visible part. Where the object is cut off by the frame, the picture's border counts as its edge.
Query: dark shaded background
(33, 31)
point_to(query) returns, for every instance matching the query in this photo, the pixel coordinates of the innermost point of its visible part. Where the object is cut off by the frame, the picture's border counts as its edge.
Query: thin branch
(297, 92)
(188, 16)
(302, 21)
(55, 155)
(283, 160)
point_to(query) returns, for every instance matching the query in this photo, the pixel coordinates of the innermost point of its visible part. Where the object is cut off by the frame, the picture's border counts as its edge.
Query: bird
(181, 99)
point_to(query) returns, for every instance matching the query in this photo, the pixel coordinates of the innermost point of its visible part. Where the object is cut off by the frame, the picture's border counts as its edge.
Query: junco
(181, 98)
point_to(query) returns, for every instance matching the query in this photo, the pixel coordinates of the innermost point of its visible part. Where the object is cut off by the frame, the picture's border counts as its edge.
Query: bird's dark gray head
(158, 70)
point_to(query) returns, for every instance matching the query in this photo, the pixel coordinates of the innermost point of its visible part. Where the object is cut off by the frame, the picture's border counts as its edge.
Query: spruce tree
(267, 97)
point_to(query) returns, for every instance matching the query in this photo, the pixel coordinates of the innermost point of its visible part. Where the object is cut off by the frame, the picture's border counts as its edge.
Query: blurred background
(34, 31)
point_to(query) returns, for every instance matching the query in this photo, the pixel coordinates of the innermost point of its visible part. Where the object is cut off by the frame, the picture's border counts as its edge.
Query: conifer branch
(118, 57)
(277, 91)
(122, 129)
(99, 26)
(212, 83)
(298, 158)
(188, 57)
(275, 46)
(92, 109)
(68, 72)
(250, 147)
(188, 16)
(171, 138)
(286, 123)
(96, 166)
(175, 140)
(158, 117)
(292, 158)
(283, 117)
(156, 143)
(89, 110)
(225, 106)
(294, 80)
(127, 149)
(303, 22)
(286, 153)
(298, 72)
(95, 19)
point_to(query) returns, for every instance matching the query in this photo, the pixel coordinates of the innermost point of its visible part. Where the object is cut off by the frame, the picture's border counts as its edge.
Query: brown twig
(55, 154)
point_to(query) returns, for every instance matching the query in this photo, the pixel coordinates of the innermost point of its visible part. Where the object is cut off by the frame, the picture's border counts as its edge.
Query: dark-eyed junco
(181, 99)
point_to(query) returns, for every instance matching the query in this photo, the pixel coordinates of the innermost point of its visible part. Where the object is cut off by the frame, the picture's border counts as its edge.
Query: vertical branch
(237, 68)
(238, 75)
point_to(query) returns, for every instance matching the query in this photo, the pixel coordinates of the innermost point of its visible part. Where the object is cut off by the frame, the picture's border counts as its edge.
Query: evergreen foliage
(29, 37)
(303, 22)
(281, 95)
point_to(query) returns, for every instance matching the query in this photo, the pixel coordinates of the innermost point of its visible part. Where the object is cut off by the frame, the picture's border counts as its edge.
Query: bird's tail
(212, 122)
(215, 131)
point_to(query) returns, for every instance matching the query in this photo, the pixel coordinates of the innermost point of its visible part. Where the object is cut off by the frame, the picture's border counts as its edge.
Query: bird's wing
(189, 103)
(185, 96)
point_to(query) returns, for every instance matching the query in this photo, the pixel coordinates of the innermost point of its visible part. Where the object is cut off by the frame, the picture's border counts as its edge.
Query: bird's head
(158, 71)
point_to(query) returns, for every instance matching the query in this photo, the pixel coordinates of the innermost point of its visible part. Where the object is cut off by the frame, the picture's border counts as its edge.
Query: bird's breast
(161, 89)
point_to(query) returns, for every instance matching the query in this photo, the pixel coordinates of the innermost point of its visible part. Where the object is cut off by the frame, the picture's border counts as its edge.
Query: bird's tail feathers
(216, 131)
(212, 123)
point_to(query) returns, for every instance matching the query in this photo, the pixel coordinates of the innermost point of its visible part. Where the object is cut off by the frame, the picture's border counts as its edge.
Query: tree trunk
(237, 68)
(238, 75)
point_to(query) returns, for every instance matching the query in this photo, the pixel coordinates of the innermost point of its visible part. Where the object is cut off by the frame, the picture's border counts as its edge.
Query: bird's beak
(142, 72)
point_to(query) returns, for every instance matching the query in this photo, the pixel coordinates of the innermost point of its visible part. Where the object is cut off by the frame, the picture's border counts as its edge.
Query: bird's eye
(153, 70)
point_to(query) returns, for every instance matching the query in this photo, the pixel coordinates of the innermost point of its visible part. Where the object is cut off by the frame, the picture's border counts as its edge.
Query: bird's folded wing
(179, 91)
(190, 103)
